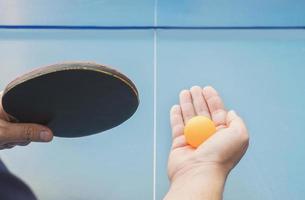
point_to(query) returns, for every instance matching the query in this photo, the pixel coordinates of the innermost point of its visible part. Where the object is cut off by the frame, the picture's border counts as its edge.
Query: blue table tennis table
(253, 52)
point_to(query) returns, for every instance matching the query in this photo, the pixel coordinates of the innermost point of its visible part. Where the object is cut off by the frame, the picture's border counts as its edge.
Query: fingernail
(44, 136)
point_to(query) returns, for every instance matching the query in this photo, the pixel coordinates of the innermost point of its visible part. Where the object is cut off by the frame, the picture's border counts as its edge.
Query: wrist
(198, 182)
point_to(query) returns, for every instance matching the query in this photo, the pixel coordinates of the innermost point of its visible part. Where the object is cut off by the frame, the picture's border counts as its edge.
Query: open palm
(225, 148)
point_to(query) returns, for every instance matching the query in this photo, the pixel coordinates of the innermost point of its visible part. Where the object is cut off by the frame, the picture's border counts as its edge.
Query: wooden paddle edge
(68, 66)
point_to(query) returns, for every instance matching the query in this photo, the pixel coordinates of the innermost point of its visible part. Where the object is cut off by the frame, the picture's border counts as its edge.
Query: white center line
(155, 103)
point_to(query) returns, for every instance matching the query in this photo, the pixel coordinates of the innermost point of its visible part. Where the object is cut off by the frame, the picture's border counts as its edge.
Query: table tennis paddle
(73, 99)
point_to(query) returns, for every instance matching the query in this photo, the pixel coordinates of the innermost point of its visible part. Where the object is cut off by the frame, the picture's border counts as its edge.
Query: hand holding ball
(198, 129)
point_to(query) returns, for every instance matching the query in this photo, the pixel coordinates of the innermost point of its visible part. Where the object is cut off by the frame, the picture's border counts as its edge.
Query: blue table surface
(151, 12)
(259, 73)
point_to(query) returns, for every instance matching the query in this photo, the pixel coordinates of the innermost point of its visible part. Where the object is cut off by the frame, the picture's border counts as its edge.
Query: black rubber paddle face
(73, 99)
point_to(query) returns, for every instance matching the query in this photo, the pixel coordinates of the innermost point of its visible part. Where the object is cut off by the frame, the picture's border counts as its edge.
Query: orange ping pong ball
(198, 129)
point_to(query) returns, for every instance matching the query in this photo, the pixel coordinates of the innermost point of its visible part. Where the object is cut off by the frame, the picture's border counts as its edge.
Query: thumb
(235, 122)
(28, 132)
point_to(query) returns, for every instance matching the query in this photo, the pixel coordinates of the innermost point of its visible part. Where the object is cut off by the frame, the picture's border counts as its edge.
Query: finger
(20, 132)
(17, 143)
(23, 143)
(3, 115)
(199, 103)
(176, 121)
(8, 146)
(216, 106)
(186, 105)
